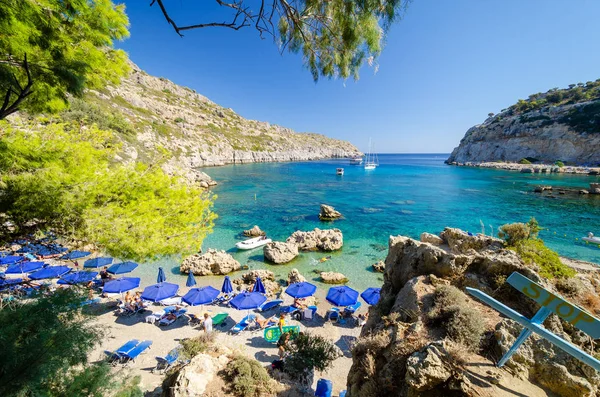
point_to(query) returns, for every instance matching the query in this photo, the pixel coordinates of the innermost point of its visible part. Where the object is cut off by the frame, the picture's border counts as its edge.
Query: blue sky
(445, 66)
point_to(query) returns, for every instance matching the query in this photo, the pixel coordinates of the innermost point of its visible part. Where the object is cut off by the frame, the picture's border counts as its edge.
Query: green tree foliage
(51, 48)
(514, 232)
(248, 378)
(335, 37)
(309, 352)
(64, 177)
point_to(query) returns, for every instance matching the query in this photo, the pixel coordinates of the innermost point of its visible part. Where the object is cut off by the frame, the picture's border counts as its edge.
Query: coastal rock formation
(294, 276)
(193, 379)
(379, 267)
(322, 240)
(267, 277)
(431, 239)
(279, 252)
(212, 262)
(328, 213)
(333, 278)
(428, 337)
(254, 232)
(595, 188)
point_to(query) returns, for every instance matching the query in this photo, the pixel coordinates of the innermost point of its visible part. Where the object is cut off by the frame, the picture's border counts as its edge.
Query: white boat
(371, 161)
(356, 161)
(253, 243)
(339, 171)
(591, 238)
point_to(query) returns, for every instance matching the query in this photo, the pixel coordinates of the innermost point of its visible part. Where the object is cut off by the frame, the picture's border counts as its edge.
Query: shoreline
(531, 168)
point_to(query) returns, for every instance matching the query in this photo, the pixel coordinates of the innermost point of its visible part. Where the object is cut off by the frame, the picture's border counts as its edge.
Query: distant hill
(561, 124)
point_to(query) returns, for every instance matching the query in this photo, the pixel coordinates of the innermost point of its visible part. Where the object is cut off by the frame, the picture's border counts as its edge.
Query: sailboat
(371, 161)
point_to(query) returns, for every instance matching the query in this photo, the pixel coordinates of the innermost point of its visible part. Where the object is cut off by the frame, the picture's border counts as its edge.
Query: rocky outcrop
(333, 278)
(321, 240)
(595, 188)
(212, 262)
(279, 252)
(328, 213)
(254, 232)
(431, 239)
(193, 379)
(267, 277)
(294, 276)
(379, 267)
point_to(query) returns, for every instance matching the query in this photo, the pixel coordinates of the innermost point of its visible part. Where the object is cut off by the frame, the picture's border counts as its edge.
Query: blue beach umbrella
(258, 286)
(77, 277)
(95, 263)
(24, 267)
(227, 288)
(160, 291)
(121, 268)
(248, 300)
(7, 260)
(161, 276)
(371, 295)
(342, 296)
(121, 285)
(301, 290)
(50, 272)
(75, 255)
(191, 281)
(50, 250)
(200, 296)
(10, 281)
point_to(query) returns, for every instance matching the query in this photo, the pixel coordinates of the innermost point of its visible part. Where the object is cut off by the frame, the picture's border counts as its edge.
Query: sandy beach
(120, 329)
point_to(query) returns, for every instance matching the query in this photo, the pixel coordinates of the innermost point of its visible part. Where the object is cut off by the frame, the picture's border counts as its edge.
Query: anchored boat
(339, 171)
(591, 238)
(253, 243)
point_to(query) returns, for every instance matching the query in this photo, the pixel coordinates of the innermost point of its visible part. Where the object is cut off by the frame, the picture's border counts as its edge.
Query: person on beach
(104, 275)
(282, 344)
(281, 322)
(262, 323)
(300, 303)
(362, 319)
(207, 323)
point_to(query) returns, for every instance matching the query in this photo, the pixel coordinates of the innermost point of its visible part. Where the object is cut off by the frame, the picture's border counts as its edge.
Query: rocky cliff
(153, 116)
(556, 125)
(427, 337)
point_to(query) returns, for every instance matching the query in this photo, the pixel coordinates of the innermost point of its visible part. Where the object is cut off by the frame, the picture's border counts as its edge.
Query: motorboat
(356, 161)
(372, 161)
(591, 238)
(339, 171)
(253, 243)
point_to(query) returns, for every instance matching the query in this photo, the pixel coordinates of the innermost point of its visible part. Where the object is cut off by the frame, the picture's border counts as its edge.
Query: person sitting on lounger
(300, 303)
(264, 322)
(362, 319)
(105, 275)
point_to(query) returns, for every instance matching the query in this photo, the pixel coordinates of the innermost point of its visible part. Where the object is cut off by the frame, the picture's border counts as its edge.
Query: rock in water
(279, 252)
(322, 240)
(294, 276)
(212, 262)
(379, 267)
(328, 213)
(333, 278)
(254, 232)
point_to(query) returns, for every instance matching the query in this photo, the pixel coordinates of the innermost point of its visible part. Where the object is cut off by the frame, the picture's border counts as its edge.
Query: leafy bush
(179, 120)
(193, 346)
(559, 163)
(82, 111)
(524, 161)
(514, 232)
(533, 251)
(248, 378)
(309, 352)
(452, 311)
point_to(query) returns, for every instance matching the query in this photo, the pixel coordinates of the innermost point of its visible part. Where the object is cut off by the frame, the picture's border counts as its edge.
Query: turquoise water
(406, 194)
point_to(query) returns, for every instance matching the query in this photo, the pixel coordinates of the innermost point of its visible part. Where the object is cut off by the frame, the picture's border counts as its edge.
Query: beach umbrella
(342, 296)
(50, 250)
(75, 255)
(200, 296)
(7, 260)
(258, 286)
(227, 288)
(50, 272)
(301, 290)
(191, 281)
(121, 285)
(161, 276)
(371, 295)
(24, 267)
(97, 262)
(160, 291)
(77, 277)
(248, 300)
(121, 268)
(10, 281)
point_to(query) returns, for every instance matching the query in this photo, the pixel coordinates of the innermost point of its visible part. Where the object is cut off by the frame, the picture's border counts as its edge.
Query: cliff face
(197, 132)
(543, 128)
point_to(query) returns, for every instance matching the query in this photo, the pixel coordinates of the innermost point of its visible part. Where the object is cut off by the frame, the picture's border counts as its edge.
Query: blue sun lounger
(166, 362)
(116, 356)
(268, 305)
(243, 324)
(349, 310)
(134, 353)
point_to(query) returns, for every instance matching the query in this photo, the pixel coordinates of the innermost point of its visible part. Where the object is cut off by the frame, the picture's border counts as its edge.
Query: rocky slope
(556, 125)
(426, 337)
(197, 132)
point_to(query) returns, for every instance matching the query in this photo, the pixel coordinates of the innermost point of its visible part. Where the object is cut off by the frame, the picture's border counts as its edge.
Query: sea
(406, 195)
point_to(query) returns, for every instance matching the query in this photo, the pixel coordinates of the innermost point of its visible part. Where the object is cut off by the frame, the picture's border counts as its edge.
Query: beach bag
(277, 364)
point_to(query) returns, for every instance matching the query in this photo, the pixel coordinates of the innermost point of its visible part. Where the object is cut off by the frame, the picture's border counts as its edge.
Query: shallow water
(406, 194)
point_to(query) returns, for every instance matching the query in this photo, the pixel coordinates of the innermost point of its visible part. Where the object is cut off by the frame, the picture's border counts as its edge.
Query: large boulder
(379, 267)
(212, 262)
(333, 278)
(426, 369)
(193, 379)
(294, 276)
(431, 239)
(318, 240)
(279, 252)
(267, 277)
(328, 213)
(254, 232)
(461, 242)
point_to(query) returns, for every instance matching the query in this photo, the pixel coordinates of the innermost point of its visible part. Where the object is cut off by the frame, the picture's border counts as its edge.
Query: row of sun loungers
(128, 352)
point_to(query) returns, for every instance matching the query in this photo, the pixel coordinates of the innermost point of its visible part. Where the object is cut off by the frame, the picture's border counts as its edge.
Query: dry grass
(591, 302)
(569, 286)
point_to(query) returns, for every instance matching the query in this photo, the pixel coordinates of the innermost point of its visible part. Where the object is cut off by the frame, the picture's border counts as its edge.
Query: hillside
(561, 124)
(150, 114)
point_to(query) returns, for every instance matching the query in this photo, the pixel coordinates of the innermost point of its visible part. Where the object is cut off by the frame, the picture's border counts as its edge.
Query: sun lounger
(116, 356)
(333, 314)
(134, 353)
(154, 317)
(243, 324)
(176, 300)
(272, 334)
(350, 310)
(219, 319)
(166, 362)
(193, 319)
(225, 298)
(288, 309)
(168, 321)
(268, 305)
